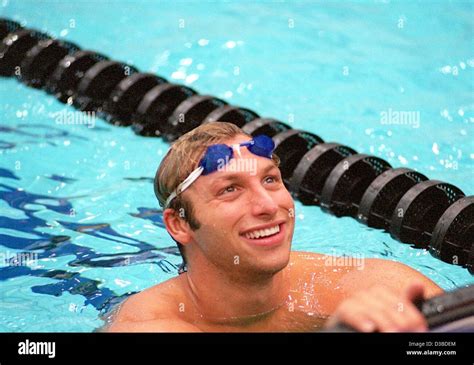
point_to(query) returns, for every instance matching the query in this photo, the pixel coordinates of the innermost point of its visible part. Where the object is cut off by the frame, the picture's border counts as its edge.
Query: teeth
(263, 232)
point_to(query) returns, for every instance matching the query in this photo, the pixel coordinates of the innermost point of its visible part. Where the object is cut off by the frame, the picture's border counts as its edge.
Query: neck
(222, 296)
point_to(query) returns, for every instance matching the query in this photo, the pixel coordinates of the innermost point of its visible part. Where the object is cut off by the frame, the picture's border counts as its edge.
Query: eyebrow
(236, 176)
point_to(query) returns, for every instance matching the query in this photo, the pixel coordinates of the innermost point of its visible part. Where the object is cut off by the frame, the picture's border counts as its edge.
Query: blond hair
(184, 155)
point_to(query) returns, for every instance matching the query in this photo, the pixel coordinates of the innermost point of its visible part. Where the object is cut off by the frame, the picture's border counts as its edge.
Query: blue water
(81, 198)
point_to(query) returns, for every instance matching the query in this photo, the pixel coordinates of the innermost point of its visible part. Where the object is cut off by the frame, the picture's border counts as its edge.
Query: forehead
(244, 160)
(259, 161)
(244, 152)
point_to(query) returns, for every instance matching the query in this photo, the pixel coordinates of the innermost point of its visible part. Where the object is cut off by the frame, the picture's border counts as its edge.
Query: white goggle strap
(237, 148)
(185, 184)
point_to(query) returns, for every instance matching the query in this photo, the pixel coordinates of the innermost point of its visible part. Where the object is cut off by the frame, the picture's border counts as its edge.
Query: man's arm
(397, 275)
(381, 297)
(148, 311)
(391, 274)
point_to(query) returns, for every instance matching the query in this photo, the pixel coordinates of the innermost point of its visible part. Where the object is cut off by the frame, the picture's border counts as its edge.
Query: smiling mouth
(263, 233)
(270, 236)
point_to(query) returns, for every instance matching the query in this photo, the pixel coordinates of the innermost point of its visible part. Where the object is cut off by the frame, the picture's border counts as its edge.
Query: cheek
(218, 222)
(285, 199)
(226, 212)
(214, 238)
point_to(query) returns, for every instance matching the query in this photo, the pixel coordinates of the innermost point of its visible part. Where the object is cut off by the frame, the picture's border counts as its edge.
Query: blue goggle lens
(219, 154)
(262, 146)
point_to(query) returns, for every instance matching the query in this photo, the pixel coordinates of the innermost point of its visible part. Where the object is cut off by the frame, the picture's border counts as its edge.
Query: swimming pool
(81, 197)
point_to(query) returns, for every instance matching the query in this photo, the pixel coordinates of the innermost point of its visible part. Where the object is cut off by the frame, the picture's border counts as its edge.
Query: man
(227, 208)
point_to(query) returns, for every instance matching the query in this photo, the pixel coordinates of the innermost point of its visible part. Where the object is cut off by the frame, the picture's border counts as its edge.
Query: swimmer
(234, 229)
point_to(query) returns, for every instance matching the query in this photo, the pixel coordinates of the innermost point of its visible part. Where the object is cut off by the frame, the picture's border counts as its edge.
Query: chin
(272, 264)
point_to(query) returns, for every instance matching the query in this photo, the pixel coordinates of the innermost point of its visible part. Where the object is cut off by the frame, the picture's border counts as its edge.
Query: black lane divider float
(426, 213)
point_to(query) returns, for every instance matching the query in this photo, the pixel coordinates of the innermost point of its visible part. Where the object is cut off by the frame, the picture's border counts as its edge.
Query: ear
(177, 227)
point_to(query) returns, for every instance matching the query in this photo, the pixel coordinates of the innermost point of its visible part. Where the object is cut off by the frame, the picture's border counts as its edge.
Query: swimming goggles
(218, 155)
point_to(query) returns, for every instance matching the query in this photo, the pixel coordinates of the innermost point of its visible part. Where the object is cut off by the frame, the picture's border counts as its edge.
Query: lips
(261, 233)
(269, 235)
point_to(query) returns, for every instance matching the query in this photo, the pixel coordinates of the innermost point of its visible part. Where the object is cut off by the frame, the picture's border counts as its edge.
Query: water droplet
(191, 78)
(186, 62)
(402, 160)
(230, 44)
(122, 283)
(179, 75)
(446, 69)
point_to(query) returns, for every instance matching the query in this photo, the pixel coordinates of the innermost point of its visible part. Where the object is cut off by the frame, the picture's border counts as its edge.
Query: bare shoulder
(154, 309)
(351, 274)
(391, 273)
(172, 324)
(304, 258)
(151, 303)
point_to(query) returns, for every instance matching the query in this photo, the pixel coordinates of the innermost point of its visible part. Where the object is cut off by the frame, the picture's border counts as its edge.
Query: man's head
(217, 219)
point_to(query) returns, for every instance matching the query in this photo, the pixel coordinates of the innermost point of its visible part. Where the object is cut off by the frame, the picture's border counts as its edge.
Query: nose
(262, 202)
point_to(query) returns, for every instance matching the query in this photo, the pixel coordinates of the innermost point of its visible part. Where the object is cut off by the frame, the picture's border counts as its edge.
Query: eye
(272, 179)
(227, 189)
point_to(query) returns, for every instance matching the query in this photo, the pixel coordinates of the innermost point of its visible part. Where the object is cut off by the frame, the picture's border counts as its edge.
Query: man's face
(246, 214)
